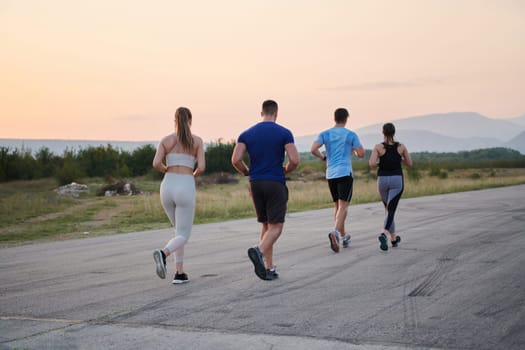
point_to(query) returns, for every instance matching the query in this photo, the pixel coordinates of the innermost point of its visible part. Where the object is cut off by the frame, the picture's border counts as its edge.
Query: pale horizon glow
(117, 70)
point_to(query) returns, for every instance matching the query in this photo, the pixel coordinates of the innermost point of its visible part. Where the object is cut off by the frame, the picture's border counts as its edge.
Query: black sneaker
(333, 237)
(255, 256)
(396, 242)
(180, 278)
(271, 274)
(382, 239)
(160, 261)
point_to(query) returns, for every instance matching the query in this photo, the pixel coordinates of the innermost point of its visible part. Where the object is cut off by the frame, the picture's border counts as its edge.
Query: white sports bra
(182, 159)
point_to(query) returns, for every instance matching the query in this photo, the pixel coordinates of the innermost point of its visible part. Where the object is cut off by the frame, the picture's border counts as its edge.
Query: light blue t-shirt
(339, 143)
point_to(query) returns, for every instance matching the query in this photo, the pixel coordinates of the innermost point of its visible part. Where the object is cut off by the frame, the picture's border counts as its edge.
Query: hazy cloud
(386, 84)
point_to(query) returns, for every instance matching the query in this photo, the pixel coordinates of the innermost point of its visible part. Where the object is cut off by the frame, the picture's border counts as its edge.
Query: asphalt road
(457, 281)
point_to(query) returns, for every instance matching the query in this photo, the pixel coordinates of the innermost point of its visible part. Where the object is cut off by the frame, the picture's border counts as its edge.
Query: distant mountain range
(447, 132)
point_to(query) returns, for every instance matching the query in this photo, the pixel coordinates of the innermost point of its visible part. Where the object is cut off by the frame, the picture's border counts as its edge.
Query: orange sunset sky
(118, 69)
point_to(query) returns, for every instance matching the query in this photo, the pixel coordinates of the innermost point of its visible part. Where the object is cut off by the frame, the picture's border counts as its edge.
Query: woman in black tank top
(388, 156)
(390, 161)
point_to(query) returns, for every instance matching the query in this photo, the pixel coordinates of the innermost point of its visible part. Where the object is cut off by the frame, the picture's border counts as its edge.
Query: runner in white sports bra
(180, 151)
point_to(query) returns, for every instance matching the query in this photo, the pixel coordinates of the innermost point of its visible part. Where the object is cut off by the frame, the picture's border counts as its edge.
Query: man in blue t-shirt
(266, 143)
(339, 143)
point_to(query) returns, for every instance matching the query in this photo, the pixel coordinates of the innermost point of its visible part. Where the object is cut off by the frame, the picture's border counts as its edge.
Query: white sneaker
(160, 261)
(333, 237)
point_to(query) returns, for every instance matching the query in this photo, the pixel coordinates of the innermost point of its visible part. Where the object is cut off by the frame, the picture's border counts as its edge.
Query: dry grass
(33, 211)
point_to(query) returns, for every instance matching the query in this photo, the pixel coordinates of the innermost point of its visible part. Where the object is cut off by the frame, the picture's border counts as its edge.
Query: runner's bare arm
(293, 158)
(237, 156)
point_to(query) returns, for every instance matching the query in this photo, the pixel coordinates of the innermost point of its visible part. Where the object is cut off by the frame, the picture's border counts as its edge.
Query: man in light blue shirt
(339, 143)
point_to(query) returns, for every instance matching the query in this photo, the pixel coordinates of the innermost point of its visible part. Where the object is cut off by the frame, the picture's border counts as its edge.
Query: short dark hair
(340, 115)
(269, 107)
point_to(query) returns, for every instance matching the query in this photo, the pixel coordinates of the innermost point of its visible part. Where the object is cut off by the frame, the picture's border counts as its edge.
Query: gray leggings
(390, 188)
(177, 195)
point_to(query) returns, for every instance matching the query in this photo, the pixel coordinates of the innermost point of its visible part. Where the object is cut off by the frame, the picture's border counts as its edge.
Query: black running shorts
(341, 188)
(269, 199)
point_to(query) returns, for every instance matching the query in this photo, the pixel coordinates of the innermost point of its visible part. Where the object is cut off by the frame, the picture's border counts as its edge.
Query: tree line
(107, 161)
(101, 161)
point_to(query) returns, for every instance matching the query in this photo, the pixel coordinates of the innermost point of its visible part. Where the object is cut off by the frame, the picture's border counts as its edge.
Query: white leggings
(177, 195)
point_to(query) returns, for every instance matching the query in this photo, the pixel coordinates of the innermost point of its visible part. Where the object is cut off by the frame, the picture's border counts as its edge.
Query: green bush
(100, 161)
(413, 173)
(437, 172)
(443, 175)
(218, 157)
(139, 162)
(69, 172)
(4, 163)
(47, 162)
(21, 165)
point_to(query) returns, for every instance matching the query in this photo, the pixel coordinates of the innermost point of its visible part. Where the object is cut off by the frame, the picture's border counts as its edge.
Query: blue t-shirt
(339, 143)
(265, 143)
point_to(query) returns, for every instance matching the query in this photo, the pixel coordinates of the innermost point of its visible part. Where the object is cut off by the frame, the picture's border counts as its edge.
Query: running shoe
(271, 274)
(160, 261)
(382, 239)
(334, 241)
(396, 242)
(180, 278)
(346, 241)
(256, 257)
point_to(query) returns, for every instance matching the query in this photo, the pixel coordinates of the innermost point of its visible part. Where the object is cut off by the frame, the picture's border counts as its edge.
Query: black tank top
(390, 162)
